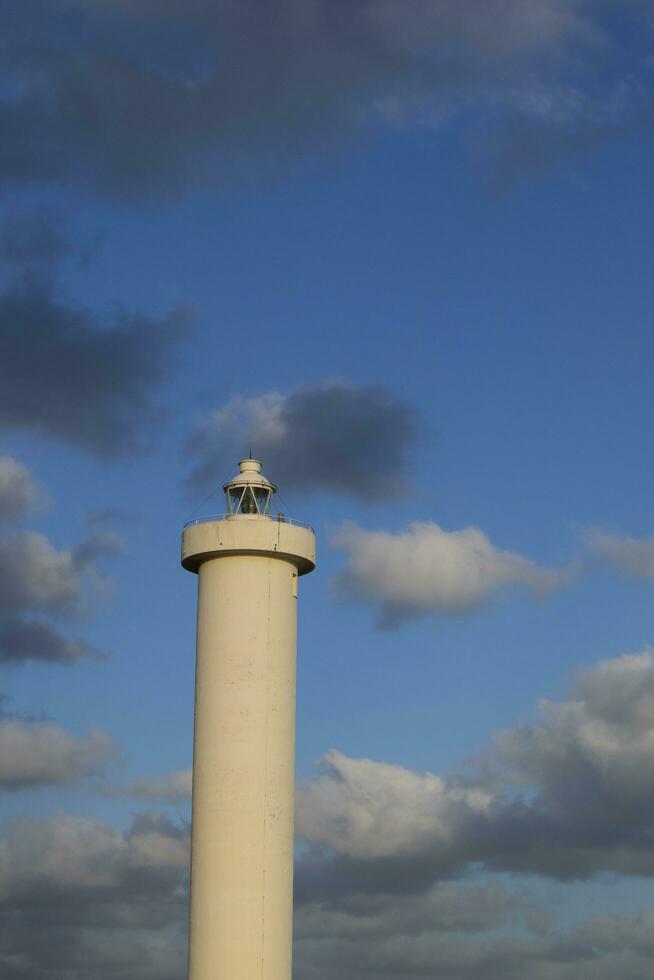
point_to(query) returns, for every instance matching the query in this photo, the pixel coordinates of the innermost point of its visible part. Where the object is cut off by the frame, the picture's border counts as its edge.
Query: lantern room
(249, 492)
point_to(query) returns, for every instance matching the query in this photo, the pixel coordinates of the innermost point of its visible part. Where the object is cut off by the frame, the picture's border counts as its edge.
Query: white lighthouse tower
(248, 562)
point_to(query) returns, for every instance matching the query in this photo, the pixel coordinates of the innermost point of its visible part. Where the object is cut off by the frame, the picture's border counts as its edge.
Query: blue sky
(448, 245)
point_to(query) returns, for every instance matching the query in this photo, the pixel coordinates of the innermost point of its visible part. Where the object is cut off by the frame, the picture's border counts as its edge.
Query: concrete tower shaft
(248, 563)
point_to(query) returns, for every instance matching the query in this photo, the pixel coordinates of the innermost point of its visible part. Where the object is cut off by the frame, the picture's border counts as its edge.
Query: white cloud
(424, 569)
(18, 491)
(46, 755)
(371, 809)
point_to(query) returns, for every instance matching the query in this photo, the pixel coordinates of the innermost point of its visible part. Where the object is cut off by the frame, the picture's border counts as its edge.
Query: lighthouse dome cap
(249, 475)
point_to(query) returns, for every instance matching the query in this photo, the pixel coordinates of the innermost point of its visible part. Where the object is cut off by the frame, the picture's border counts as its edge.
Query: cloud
(36, 575)
(36, 239)
(158, 97)
(592, 757)
(561, 954)
(566, 798)
(19, 494)
(109, 515)
(446, 907)
(424, 570)
(39, 582)
(369, 809)
(172, 788)
(632, 556)
(80, 896)
(375, 886)
(89, 385)
(46, 755)
(330, 436)
(23, 640)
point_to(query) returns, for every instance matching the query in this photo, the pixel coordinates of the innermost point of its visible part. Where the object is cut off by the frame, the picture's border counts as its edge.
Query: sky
(401, 250)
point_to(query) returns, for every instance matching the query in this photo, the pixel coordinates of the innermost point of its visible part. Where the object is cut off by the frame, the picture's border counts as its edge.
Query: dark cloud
(331, 436)
(65, 375)
(23, 640)
(131, 98)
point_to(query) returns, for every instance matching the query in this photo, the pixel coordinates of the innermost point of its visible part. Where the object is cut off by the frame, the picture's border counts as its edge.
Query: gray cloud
(564, 954)
(632, 556)
(592, 757)
(80, 898)
(586, 769)
(331, 436)
(424, 570)
(374, 889)
(18, 491)
(46, 755)
(445, 907)
(34, 574)
(146, 96)
(172, 788)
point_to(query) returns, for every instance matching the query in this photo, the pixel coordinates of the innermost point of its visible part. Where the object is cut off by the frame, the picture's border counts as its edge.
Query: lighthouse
(248, 561)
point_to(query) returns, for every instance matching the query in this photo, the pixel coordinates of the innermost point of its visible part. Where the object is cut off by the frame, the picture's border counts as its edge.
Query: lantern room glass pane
(234, 499)
(248, 502)
(262, 497)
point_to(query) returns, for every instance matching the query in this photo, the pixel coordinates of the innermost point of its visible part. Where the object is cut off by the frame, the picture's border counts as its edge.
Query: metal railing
(280, 518)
